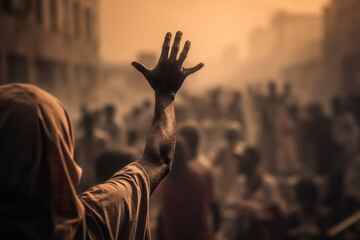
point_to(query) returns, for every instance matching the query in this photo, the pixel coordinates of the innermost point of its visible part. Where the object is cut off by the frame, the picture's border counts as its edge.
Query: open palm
(168, 75)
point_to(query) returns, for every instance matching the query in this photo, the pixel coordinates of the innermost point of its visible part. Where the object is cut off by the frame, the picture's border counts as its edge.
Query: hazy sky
(130, 26)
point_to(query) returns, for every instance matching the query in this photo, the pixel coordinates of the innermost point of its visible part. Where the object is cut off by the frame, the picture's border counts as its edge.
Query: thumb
(188, 71)
(141, 68)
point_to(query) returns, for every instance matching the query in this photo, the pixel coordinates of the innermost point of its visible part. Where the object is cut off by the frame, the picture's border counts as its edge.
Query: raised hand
(168, 75)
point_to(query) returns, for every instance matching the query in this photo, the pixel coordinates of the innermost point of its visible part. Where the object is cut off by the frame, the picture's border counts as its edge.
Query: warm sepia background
(87, 46)
(280, 75)
(214, 26)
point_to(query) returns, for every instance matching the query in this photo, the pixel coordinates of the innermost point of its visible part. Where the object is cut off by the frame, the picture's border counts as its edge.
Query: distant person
(38, 174)
(225, 160)
(88, 146)
(258, 208)
(309, 220)
(113, 129)
(191, 135)
(235, 111)
(186, 198)
(214, 109)
(320, 141)
(134, 141)
(287, 161)
(112, 161)
(352, 186)
(338, 106)
(288, 98)
(268, 142)
(345, 133)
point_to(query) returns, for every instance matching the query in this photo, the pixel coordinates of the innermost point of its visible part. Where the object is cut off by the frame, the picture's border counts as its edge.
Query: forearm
(165, 79)
(160, 143)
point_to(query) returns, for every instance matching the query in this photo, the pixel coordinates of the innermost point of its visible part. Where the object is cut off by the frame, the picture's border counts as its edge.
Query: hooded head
(38, 174)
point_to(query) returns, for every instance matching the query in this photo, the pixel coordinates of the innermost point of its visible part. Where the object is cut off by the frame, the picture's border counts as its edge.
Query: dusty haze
(213, 26)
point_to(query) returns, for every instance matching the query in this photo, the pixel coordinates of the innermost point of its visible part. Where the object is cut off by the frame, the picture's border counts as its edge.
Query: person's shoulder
(133, 173)
(195, 167)
(101, 136)
(203, 164)
(240, 179)
(269, 179)
(198, 171)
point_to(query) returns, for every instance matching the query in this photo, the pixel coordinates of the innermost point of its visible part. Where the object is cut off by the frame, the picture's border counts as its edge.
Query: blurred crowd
(250, 164)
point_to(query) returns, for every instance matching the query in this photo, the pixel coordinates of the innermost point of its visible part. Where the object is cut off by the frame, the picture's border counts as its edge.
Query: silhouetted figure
(256, 209)
(268, 141)
(346, 134)
(287, 161)
(225, 159)
(288, 98)
(309, 220)
(134, 141)
(319, 140)
(111, 127)
(214, 110)
(110, 162)
(186, 197)
(352, 187)
(191, 135)
(235, 110)
(88, 146)
(338, 106)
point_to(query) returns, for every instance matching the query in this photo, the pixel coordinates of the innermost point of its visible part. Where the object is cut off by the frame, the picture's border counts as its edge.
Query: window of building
(17, 68)
(53, 14)
(44, 73)
(66, 14)
(88, 24)
(39, 11)
(16, 6)
(76, 19)
(51, 74)
(6, 5)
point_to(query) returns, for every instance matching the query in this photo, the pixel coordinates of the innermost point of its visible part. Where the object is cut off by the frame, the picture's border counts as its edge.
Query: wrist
(165, 95)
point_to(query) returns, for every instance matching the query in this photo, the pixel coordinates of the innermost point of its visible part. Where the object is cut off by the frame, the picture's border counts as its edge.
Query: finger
(141, 68)
(184, 52)
(188, 71)
(176, 46)
(166, 46)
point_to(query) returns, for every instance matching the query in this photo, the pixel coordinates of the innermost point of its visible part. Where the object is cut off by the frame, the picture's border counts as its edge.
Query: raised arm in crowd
(39, 176)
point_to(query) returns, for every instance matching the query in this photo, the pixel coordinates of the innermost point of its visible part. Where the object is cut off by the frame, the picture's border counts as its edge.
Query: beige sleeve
(119, 208)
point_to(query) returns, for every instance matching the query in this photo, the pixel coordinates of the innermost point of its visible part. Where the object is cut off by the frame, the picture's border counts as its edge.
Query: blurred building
(342, 45)
(123, 82)
(126, 74)
(50, 43)
(306, 75)
(289, 39)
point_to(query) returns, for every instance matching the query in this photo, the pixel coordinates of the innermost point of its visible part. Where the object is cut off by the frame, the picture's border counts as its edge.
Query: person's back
(255, 202)
(39, 177)
(113, 128)
(111, 161)
(185, 198)
(90, 144)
